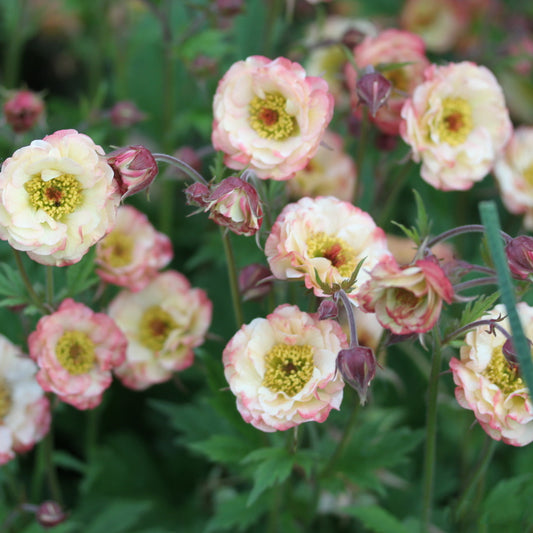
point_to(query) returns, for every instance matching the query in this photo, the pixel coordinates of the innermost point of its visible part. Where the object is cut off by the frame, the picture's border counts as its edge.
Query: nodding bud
(125, 114)
(352, 37)
(23, 109)
(50, 514)
(135, 168)
(327, 309)
(357, 366)
(519, 252)
(255, 281)
(510, 354)
(197, 194)
(373, 89)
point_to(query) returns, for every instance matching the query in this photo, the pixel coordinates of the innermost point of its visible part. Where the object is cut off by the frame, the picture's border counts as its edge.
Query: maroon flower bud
(358, 368)
(373, 89)
(203, 66)
(352, 38)
(125, 114)
(255, 281)
(229, 8)
(235, 204)
(50, 514)
(197, 194)
(510, 353)
(327, 309)
(519, 253)
(135, 168)
(23, 110)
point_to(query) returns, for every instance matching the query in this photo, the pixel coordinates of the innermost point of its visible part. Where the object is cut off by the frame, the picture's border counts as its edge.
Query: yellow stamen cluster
(75, 352)
(399, 79)
(455, 122)
(5, 399)
(269, 118)
(528, 174)
(58, 196)
(288, 368)
(155, 326)
(500, 373)
(339, 253)
(117, 248)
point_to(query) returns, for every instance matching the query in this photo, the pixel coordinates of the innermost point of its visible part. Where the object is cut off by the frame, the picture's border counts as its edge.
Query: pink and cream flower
(269, 116)
(514, 173)
(456, 123)
(489, 386)
(133, 252)
(24, 409)
(325, 236)
(57, 198)
(331, 172)
(282, 369)
(76, 350)
(389, 47)
(163, 323)
(406, 299)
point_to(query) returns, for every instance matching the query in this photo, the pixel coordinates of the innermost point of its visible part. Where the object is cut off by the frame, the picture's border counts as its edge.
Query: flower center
(75, 352)
(500, 373)
(528, 174)
(399, 79)
(456, 121)
(155, 326)
(269, 118)
(405, 298)
(288, 368)
(117, 249)
(58, 196)
(5, 399)
(337, 251)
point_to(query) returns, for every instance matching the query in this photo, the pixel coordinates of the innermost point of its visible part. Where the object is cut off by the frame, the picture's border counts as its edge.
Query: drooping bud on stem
(519, 252)
(357, 366)
(373, 89)
(50, 514)
(255, 281)
(23, 109)
(327, 309)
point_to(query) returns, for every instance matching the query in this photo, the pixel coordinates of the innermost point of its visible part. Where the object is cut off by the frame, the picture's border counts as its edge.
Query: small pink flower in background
(489, 386)
(327, 235)
(282, 369)
(513, 171)
(50, 514)
(325, 54)
(440, 23)
(133, 252)
(331, 172)
(76, 349)
(125, 114)
(163, 323)
(57, 198)
(390, 46)
(406, 299)
(456, 123)
(135, 168)
(269, 116)
(24, 409)
(23, 109)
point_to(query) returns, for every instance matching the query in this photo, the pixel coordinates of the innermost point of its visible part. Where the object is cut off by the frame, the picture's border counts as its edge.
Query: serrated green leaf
(118, 516)
(409, 233)
(81, 276)
(475, 309)
(377, 519)
(223, 448)
(422, 220)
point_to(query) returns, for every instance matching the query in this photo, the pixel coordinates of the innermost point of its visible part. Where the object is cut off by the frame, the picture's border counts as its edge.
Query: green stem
(49, 285)
(477, 474)
(431, 432)
(27, 283)
(341, 446)
(233, 281)
(392, 196)
(53, 482)
(14, 44)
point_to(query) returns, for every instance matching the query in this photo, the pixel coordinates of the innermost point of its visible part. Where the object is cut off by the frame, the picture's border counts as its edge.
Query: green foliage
(475, 309)
(377, 519)
(420, 232)
(12, 288)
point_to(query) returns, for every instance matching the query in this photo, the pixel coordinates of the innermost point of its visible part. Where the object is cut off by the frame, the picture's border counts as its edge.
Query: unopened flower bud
(50, 514)
(510, 353)
(235, 204)
(135, 168)
(255, 281)
(357, 366)
(373, 89)
(23, 110)
(125, 114)
(229, 8)
(519, 253)
(197, 194)
(327, 309)
(352, 38)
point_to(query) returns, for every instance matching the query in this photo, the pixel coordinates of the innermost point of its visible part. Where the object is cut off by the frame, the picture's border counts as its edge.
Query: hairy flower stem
(181, 165)
(51, 474)
(491, 322)
(431, 433)
(480, 469)
(470, 228)
(351, 318)
(491, 280)
(233, 280)
(27, 283)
